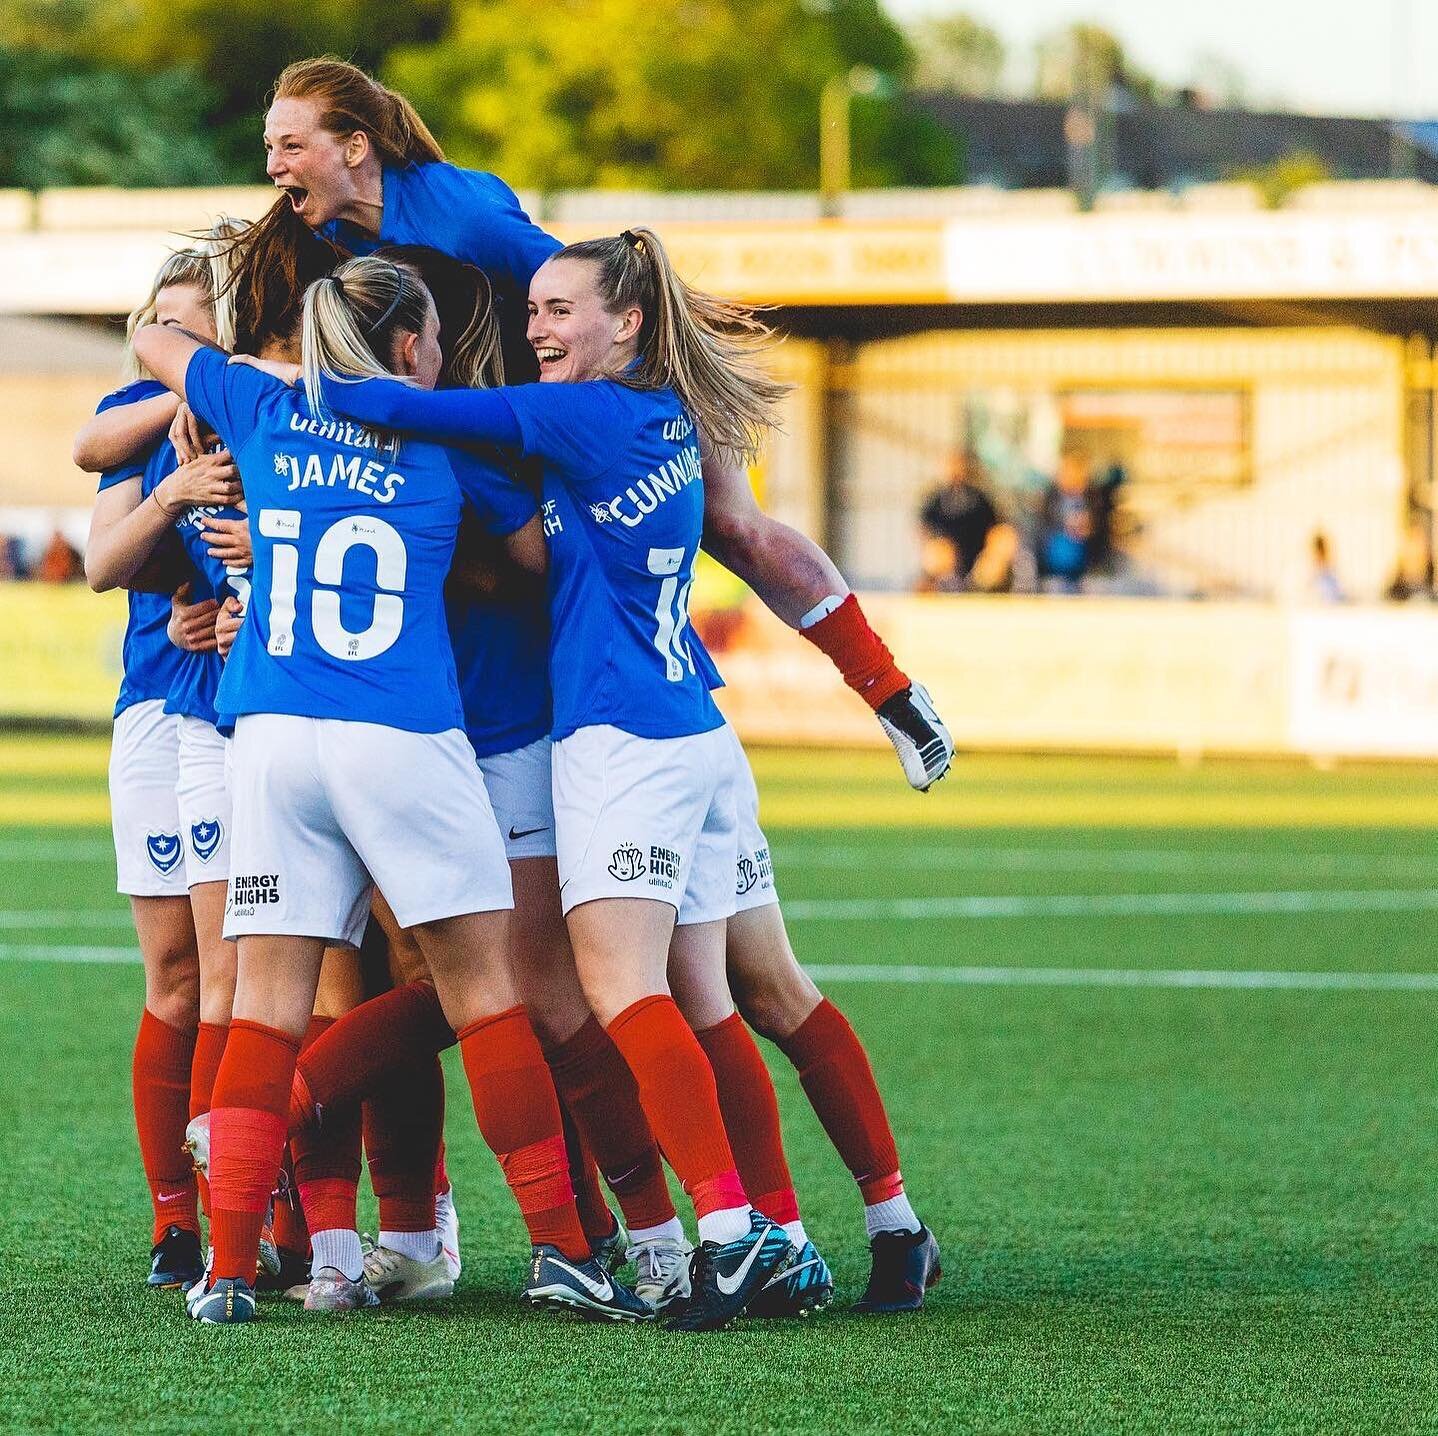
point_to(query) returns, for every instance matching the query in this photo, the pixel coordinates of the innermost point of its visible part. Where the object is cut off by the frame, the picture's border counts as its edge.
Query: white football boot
(661, 1271)
(396, 1277)
(446, 1219)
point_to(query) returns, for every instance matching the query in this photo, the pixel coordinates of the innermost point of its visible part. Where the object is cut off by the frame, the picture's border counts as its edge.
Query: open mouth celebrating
(548, 355)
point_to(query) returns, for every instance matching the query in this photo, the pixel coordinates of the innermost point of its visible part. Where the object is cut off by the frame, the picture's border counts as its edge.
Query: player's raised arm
(166, 350)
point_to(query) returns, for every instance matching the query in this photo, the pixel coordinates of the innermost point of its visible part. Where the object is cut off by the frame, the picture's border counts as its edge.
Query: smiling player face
(574, 336)
(324, 175)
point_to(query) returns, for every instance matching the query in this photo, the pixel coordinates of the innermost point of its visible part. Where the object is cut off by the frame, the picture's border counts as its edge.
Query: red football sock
(441, 1173)
(209, 1049)
(599, 1092)
(403, 1122)
(518, 1114)
(326, 1166)
(160, 1078)
(676, 1087)
(846, 639)
(594, 1214)
(351, 1060)
(247, 1141)
(751, 1117)
(835, 1072)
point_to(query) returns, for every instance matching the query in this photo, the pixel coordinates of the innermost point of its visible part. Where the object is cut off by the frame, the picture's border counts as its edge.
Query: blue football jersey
(197, 683)
(353, 533)
(624, 516)
(149, 661)
(501, 654)
(466, 214)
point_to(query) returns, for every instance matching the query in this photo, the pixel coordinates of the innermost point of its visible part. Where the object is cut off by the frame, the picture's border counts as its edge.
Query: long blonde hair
(206, 266)
(351, 318)
(708, 350)
(184, 266)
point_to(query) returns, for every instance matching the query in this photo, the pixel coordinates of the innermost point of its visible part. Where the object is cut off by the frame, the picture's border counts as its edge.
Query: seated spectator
(1075, 528)
(960, 512)
(966, 546)
(60, 562)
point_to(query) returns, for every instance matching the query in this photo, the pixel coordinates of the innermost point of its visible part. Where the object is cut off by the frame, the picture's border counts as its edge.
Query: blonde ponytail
(708, 350)
(351, 320)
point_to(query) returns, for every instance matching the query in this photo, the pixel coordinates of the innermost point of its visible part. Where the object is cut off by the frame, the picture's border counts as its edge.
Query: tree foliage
(691, 94)
(958, 55)
(699, 94)
(66, 122)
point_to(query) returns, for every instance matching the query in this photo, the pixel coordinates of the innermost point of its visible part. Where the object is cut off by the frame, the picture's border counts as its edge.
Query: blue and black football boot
(175, 1260)
(806, 1285)
(905, 1266)
(583, 1287)
(226, 1302)
(724, 1279)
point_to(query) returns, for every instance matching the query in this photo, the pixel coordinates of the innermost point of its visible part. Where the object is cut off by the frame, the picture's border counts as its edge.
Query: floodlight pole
(835, 137)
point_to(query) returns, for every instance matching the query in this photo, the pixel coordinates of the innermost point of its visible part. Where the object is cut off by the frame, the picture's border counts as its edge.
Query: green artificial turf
(1163, 1209)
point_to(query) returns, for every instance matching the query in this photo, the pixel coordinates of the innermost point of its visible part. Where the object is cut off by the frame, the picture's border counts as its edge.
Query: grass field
(1159, 1047)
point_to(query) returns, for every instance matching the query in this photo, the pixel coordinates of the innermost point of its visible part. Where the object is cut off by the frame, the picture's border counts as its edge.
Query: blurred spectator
(60, 562)
(1075, 529)
(9, 553)
(1412, 581)
(1323, 584)
(966, 545)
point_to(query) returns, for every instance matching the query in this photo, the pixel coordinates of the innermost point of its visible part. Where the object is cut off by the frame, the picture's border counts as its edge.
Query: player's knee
(172, 987)
(775, 1001)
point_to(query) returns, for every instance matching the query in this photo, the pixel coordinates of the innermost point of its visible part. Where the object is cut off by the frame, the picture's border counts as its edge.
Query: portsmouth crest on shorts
(748, 876)
(205, 838)
(164, 851)
(627, 863)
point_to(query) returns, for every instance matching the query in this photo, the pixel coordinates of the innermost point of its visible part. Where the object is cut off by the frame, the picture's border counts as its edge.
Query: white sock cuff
(670, 1231)
(822, 609)
(796, 1233)
(339, 1249)
(725, 1225)
(418, 1246)
(894, 1215)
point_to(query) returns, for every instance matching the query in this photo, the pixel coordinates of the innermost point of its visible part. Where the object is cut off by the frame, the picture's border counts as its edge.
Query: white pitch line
(1079, 905)
(43, 952)
(1114, 977)
(1093, 860)
(35, 919)
(56, 850)
(1128, 977)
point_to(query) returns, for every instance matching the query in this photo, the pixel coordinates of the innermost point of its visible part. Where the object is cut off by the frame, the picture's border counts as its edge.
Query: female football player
(384, 1052)
(630, 359)
(135, 510)
(357, 164)
(347, 745)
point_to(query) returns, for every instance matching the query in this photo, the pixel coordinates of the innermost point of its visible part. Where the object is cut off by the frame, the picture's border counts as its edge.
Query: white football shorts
(646, 818)
(522, 796)
(144, 768)
(204, 801)
(754, 876)
(323, 807)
